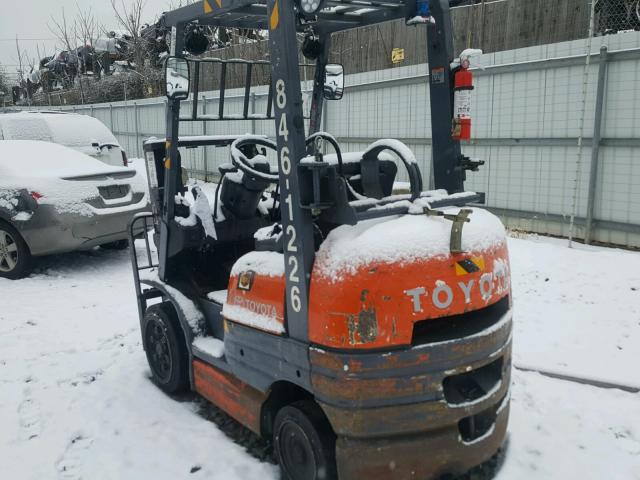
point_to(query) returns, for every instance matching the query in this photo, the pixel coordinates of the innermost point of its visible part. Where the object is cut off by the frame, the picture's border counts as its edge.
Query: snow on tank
(401, 239)
(373, 281)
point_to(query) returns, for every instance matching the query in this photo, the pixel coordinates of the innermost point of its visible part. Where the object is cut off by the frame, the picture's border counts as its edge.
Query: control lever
(471, 165)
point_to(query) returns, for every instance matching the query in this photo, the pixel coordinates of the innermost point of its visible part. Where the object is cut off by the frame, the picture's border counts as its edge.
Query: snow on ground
(577, 310)
(75, 396)
(76, 400)
(565, 431)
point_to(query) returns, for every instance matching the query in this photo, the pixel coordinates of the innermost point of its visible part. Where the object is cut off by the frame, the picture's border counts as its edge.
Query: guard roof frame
(337, 15)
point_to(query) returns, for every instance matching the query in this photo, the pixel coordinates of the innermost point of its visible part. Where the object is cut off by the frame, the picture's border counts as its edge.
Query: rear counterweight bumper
(429, 410)
(424, 456)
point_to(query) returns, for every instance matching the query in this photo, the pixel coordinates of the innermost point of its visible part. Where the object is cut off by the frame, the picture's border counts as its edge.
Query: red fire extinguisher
(463, 86)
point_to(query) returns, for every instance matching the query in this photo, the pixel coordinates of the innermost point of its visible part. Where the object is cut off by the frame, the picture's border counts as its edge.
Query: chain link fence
(614, 16)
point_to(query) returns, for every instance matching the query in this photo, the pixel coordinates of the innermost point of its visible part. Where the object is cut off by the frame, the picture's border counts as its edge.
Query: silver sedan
(55, 200)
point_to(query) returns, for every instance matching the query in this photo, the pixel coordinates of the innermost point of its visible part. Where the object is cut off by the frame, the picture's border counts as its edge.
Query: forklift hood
(375, 282)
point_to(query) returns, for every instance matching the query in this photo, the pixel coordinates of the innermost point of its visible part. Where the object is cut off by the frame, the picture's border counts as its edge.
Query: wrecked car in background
(80, 132)
(54, 199)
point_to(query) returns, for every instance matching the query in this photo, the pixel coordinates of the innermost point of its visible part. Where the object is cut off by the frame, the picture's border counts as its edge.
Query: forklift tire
(15, 257)
(166, 348)
(304, 443)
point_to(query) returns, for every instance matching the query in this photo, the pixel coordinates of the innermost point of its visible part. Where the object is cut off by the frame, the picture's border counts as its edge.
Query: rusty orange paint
(266, 296)
(236, 398)
(372, 308)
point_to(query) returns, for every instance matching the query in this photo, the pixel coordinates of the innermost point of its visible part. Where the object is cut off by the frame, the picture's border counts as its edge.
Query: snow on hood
(68, 129)
(38, 159)
(401, 239)
(53, 171)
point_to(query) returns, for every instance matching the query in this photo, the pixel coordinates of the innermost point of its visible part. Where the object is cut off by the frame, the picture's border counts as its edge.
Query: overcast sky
(29, 19)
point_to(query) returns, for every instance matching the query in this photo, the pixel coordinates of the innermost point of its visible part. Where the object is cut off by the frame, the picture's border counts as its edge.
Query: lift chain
(456, 229)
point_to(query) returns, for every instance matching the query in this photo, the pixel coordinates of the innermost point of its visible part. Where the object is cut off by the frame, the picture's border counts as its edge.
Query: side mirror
(333, 81)
(177, 76)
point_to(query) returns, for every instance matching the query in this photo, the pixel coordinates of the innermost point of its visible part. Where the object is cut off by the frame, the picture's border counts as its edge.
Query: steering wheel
(240, 160)
(370, 167)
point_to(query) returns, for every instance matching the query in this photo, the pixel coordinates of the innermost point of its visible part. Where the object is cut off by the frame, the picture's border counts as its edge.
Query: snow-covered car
(82, 133)
(54, 199)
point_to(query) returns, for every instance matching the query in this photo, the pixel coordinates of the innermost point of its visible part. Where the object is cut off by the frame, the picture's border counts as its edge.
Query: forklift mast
(446, 152)
(297, 223)
(284, 20)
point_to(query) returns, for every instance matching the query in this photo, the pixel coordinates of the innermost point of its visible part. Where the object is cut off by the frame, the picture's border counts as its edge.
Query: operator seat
(241, 193)
(372, 179)
(369, 176)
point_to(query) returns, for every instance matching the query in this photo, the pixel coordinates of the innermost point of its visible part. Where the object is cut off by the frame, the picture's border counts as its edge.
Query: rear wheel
(304, 443)
(15, 258)
(166, 348)
(117, 245)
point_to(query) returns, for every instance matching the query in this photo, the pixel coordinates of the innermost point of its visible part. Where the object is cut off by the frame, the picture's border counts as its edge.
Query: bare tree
(88, 30)
(173, 4)
(67, 34)
(130, 20)
(4, 81)
(87, 26)
(23, 62)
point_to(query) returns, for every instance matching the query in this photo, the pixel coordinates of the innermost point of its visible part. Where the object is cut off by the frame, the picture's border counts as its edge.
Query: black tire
(304, 443)
(166, 348)
(117, 245)
(15, 257)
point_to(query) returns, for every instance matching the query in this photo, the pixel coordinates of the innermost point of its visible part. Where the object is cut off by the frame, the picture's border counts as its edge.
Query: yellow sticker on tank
(469, 266)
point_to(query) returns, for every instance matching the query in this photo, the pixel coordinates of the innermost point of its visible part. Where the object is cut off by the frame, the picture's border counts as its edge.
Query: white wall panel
(540, 106)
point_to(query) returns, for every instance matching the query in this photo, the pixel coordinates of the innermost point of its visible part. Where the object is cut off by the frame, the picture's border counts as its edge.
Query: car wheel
(166, 348)
(304, 443)
(15, 257)
(117, 245)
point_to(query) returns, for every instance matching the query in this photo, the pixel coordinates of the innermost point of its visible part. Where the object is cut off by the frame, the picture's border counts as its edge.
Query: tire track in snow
(580, 380)
(29, 414)
(70, 464)
(30, 420)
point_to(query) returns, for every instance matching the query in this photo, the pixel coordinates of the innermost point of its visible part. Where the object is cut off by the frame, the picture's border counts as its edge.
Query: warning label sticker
(470, 265)
(437, 75)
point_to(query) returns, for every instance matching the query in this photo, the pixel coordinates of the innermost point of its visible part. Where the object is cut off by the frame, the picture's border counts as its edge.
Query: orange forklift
(365, 332)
